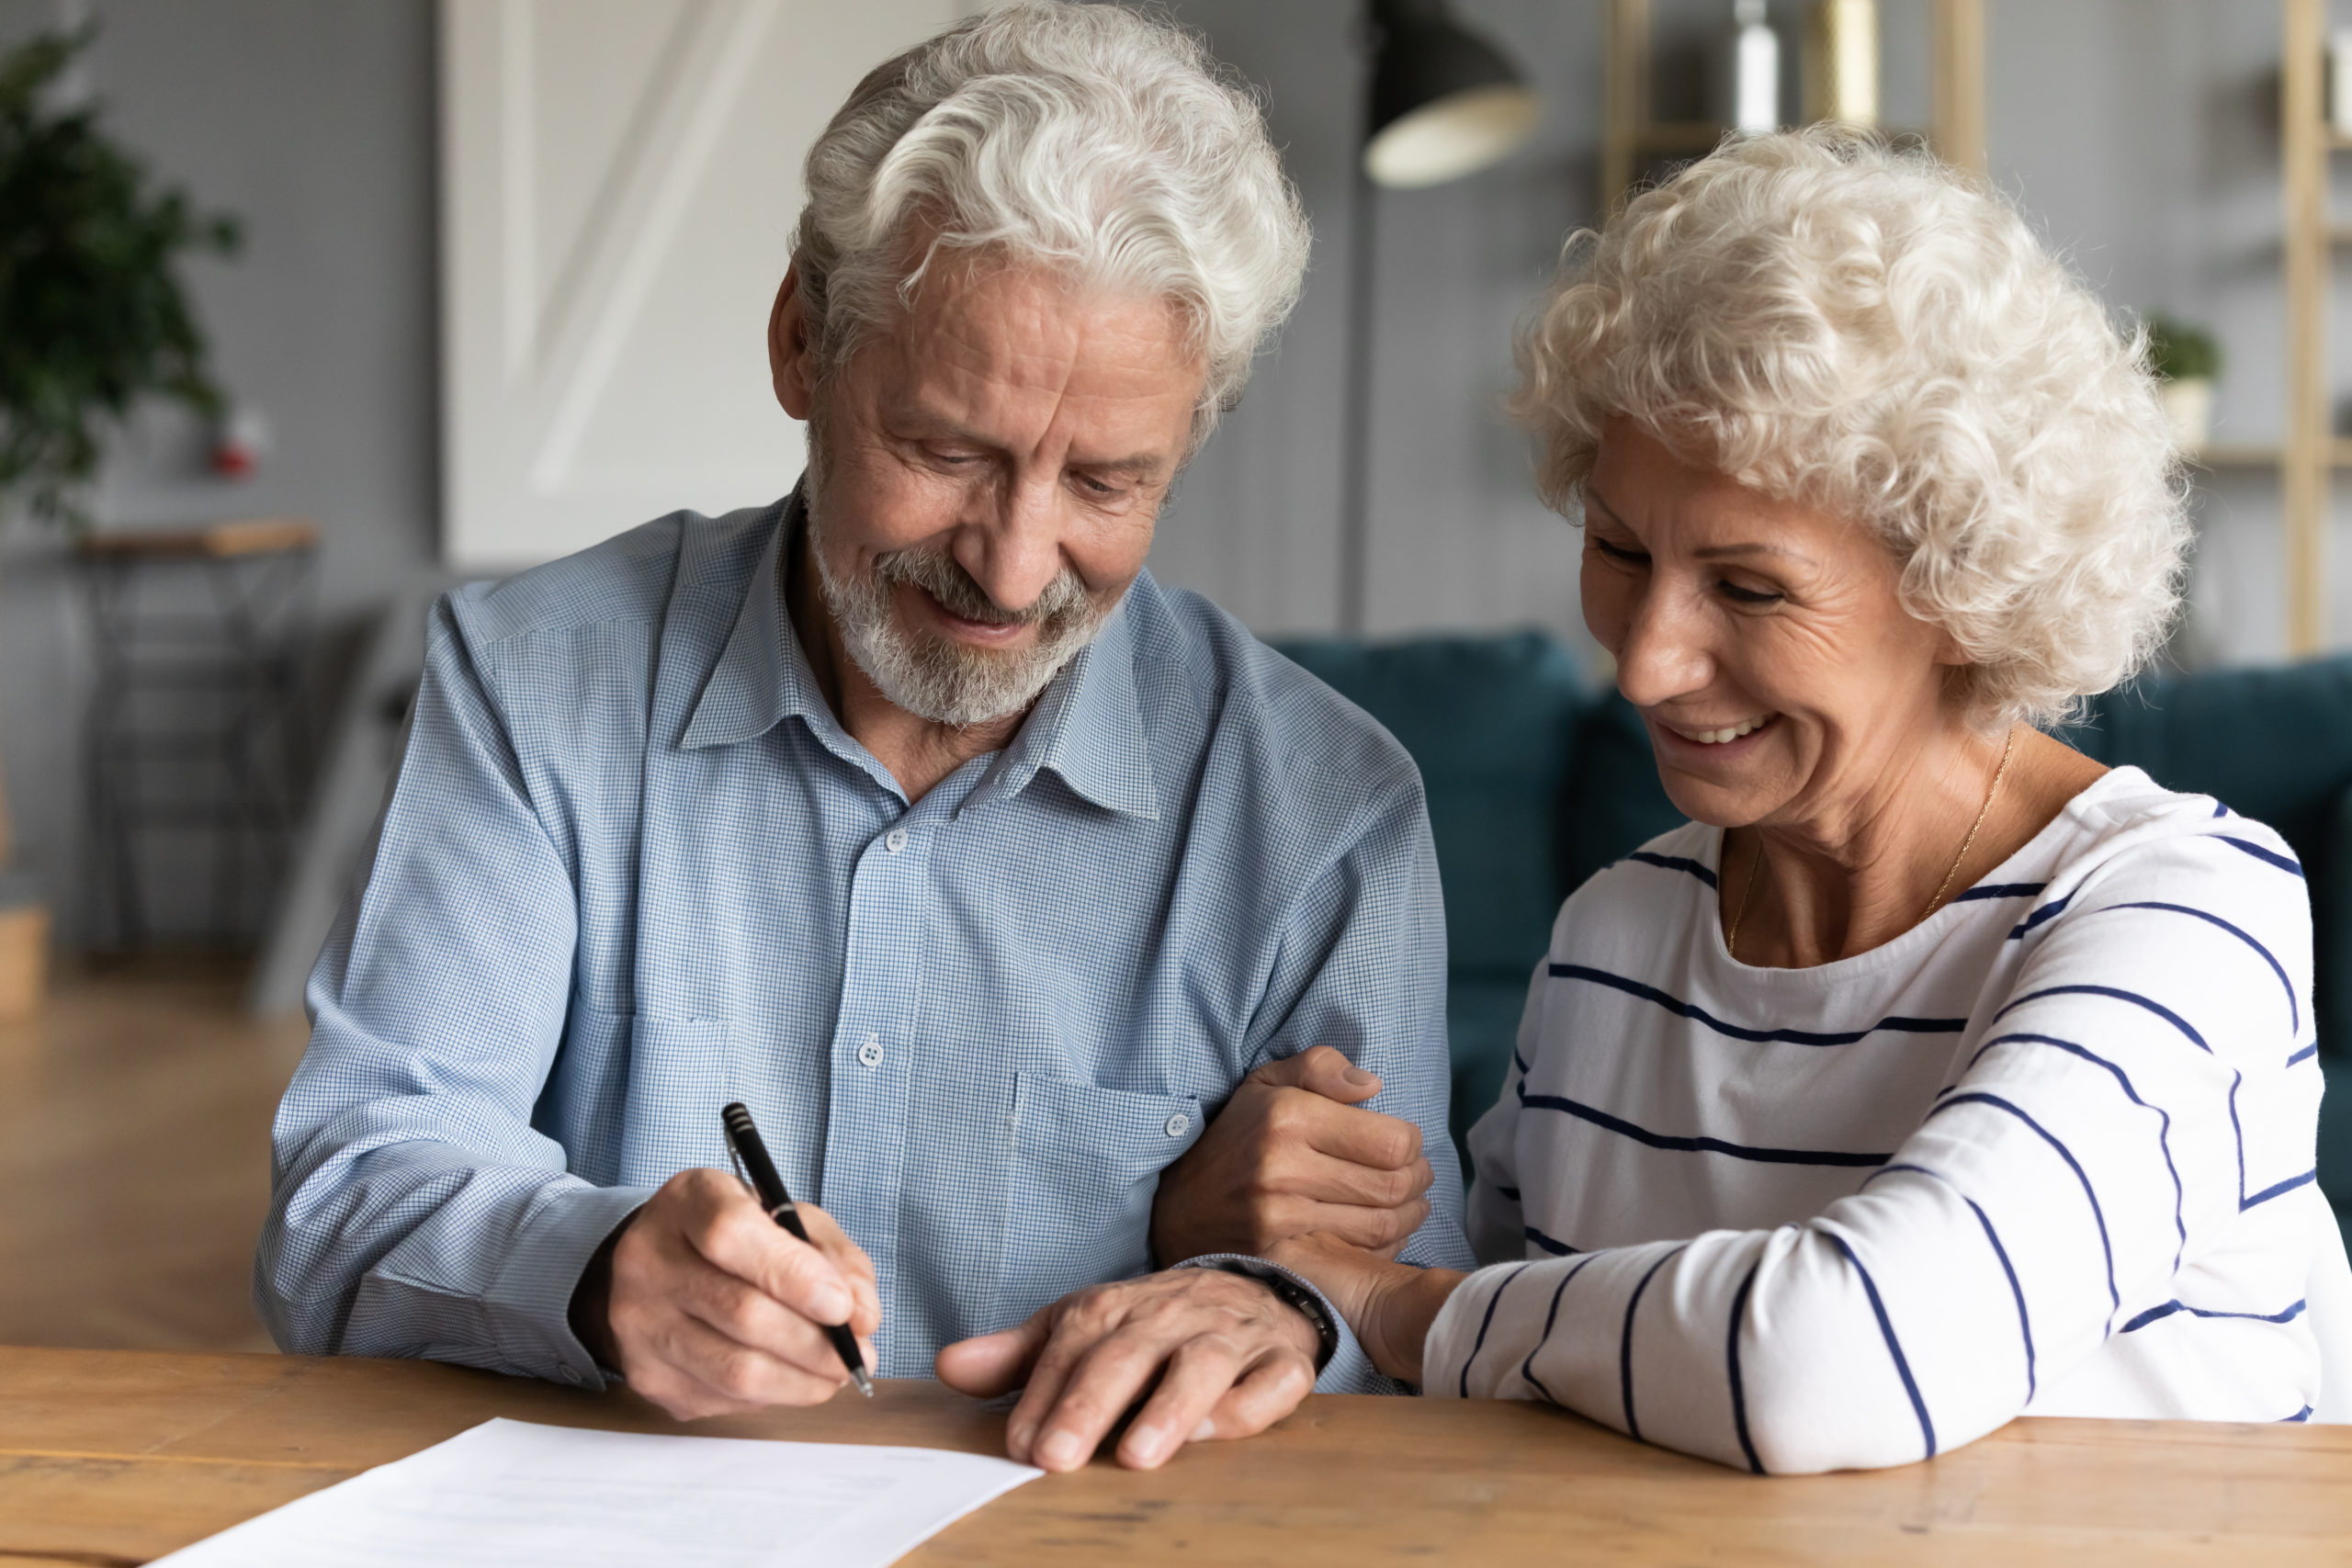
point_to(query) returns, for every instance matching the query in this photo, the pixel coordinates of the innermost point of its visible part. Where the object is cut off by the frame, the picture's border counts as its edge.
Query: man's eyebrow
(1141, 463)
(914, 424)
(920, 425)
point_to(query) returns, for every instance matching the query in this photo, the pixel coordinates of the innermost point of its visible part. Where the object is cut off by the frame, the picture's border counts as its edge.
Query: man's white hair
(1826, 319)
(1090, 138)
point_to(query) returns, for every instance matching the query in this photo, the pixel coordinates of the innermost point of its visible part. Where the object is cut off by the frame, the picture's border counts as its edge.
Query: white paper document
(516, 1494)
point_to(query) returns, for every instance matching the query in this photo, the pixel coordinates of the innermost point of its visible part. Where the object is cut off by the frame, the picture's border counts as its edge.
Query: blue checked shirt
(632, 868)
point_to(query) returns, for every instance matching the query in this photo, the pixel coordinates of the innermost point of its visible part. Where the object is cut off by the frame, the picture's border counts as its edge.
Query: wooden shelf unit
(2311, 449)
(1630, 137)
(2261, 454)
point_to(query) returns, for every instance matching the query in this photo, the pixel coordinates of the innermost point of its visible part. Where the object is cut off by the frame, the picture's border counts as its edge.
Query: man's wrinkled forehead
(985, 333)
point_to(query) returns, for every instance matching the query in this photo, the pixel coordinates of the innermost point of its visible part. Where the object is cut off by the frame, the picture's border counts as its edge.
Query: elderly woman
(1934, 1073)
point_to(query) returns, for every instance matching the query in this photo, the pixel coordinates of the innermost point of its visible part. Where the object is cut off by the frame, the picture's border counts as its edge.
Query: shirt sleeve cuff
(1349, 1369)
(530, 1299)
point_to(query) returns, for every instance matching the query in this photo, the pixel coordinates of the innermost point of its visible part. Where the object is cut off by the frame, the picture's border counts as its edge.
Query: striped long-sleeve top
(2048, 1151)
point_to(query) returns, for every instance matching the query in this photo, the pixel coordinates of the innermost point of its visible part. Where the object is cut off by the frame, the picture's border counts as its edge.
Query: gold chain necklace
(1731, 939)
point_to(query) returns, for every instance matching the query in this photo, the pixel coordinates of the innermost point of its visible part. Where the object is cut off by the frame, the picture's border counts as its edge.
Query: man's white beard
(929, 676)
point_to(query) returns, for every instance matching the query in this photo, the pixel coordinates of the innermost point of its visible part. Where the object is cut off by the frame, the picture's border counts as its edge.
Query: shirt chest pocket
(1086, 1165)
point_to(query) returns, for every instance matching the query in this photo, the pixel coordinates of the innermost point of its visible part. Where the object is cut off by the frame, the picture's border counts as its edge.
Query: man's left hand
(1229, 1356)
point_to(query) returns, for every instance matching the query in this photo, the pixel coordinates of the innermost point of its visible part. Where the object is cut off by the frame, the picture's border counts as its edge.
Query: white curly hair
(1099, 141)
(1824, 318)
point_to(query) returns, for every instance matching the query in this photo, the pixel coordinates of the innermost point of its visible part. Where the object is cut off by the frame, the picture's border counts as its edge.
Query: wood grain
(95, 1252)
(112, 1457)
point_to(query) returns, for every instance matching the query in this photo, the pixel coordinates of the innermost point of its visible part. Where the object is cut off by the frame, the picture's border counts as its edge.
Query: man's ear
(791, 366)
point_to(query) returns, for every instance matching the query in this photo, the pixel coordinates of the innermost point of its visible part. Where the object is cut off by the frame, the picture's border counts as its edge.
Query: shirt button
(895, 841)
(870, 1054)
(1177, 1125)
(572, 1375)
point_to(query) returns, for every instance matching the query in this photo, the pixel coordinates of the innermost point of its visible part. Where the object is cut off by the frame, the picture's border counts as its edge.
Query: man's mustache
(937, 573)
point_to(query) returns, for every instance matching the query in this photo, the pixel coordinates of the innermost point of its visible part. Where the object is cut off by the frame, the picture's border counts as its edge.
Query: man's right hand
(1293, 1152)
(709, 1307)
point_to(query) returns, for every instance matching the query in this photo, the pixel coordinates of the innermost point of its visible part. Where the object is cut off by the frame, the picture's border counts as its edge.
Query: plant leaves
(92, 314)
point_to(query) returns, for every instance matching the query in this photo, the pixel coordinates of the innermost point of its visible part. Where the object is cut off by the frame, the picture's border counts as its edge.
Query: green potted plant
(92, 315)
(92, 320)
(2186, 359)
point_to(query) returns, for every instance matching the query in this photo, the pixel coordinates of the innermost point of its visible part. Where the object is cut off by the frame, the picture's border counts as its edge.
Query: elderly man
(1017, 896)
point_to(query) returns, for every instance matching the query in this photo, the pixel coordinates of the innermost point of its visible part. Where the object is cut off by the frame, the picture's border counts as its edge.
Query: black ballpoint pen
(743, 1142)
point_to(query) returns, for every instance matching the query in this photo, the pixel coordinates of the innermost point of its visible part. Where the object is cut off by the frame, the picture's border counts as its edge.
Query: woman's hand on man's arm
(1390, 1305)
(1294, 1151)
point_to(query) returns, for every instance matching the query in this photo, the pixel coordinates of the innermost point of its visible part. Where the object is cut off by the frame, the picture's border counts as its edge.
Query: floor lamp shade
(1444, 102)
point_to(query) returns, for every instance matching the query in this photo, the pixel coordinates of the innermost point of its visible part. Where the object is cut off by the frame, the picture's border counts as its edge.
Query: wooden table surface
(117, 1457)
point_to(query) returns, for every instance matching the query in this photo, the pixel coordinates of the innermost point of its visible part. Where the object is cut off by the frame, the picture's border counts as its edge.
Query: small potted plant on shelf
(92, 320)
(2186, 359)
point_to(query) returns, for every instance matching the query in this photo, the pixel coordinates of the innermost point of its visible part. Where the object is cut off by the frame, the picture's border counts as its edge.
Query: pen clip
(727, 1137)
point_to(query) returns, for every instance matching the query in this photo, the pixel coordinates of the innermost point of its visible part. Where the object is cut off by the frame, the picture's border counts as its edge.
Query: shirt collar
(1086, 729)
(762, 677)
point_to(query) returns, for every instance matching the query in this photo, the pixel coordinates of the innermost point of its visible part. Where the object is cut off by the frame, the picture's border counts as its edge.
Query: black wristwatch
(1327, 1333)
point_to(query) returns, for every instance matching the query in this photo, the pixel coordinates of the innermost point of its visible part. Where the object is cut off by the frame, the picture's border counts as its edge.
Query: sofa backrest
(2273, 743)
(1494, 723)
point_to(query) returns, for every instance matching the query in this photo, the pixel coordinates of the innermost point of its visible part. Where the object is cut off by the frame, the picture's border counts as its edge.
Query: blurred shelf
(1666, 137)
(253, 536)
(2308, 238)
(2258, 455)
(1679, 136)
(1632, 141)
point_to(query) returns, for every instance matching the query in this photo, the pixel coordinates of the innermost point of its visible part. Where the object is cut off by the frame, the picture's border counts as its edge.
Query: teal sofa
(1536, 779)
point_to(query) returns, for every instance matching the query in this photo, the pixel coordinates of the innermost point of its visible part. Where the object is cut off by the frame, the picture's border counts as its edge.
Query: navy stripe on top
(2050, 911)
(2294, 1010)
(2016, 1290)
(1626, 1341)
(2163, 1119)
(2134, 997)
(1668, 1141)
(1552, 1245)
(2158, 1314)
(1488, 1322)
(1893, 1344)
(2106, 1246)
(1762, 1036)
(1551, 1319)
(2002, 890)
(2271, 857)
(1675, 862)
(1731, 1369)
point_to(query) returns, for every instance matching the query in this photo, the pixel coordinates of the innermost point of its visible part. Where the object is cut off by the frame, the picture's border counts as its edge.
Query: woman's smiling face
(1764, 641)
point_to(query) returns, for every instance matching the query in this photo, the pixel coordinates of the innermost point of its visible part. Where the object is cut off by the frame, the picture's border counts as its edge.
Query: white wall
(620, 181)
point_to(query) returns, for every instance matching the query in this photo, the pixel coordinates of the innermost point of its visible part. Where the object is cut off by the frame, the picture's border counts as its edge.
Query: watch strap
(1292, 1293)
